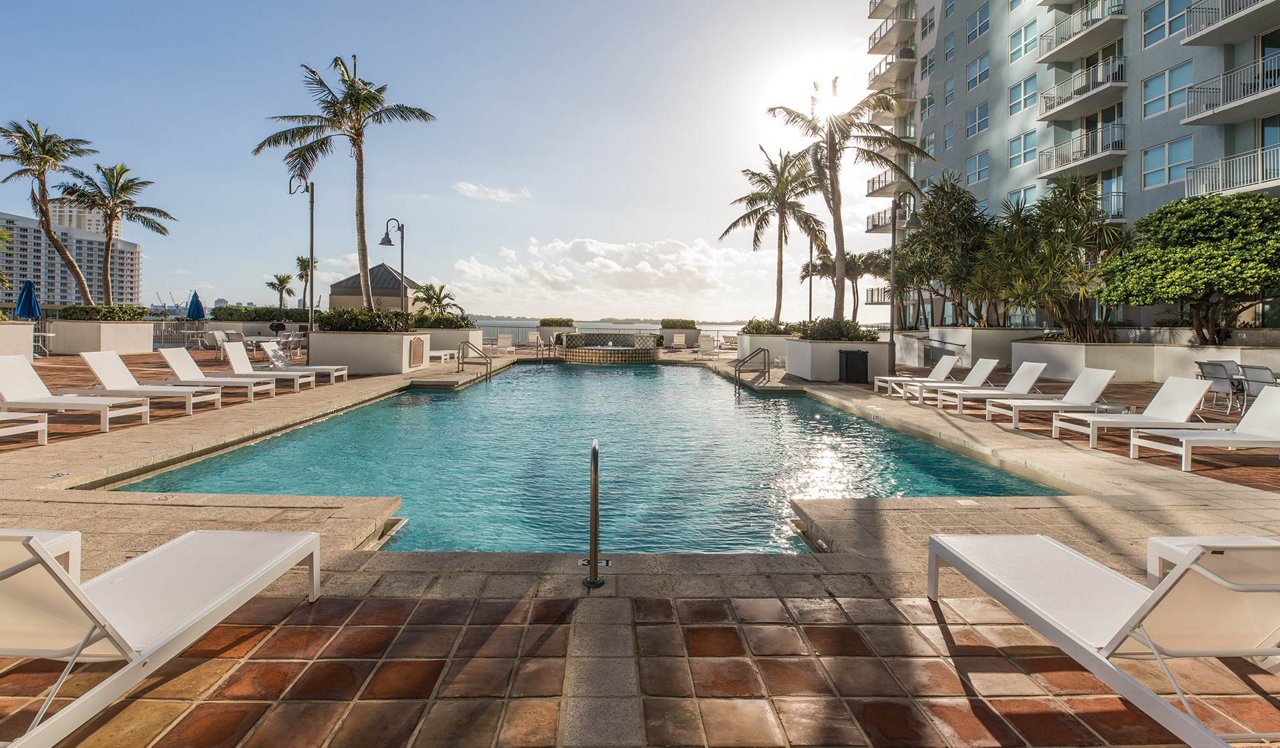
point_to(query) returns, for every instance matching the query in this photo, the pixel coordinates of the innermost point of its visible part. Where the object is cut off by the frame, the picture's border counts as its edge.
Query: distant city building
(32, 257)
(71, 216)
(220, 302)
(388, 288)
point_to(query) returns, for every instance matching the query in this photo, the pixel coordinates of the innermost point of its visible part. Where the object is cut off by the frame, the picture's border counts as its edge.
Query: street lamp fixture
(299, 184)
(900, 206)
(387, 242)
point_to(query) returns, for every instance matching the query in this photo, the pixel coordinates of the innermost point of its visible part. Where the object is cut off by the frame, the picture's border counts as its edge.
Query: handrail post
(593, 580)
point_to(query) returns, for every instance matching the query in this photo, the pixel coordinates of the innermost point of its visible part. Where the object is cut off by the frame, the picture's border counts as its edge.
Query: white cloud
(491, 194)
(350, 260)
(329, 276)
(204, 286)
(507, 254)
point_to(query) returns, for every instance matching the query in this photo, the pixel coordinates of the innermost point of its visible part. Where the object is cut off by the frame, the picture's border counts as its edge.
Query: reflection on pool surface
(687, 465)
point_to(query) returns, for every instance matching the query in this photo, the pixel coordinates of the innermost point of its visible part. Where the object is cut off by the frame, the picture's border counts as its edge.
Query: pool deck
(442, 649)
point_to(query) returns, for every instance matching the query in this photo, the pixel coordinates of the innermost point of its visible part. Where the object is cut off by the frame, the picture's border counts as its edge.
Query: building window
(979, 71)
(1023, 41)
(949, 92)
(948, 8)
(976, 120)
(926, 107)
(1022, 149)
(949, 47)
(1167, 90)
(1022, 95)
(948, 135)
(979, 23)
(977, 168)
(928, 145)
(926, 65)
(1166, 163)
(928, 22)
(1163, 20)
(1015, 4)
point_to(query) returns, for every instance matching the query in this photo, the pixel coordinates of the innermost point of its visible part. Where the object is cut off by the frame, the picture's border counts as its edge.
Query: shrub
(4, 317)
(362, 320)
(763, 327)
(444, 321)
(827, 328)
(103, 313)
(256, 314)
(556, 322)
(675, 323)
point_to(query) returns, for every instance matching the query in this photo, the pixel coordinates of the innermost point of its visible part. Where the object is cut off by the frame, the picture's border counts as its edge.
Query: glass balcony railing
(1247, 80)
(1235, 173)
(1110, 70)
(879, 220)
(905, 13)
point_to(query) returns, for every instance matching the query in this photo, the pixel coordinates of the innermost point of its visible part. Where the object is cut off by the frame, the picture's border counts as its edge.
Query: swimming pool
(687, 463)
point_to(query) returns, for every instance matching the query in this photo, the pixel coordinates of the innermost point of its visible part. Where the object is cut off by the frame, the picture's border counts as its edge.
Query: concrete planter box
(72, 336)
(548, 334)
(253, 328)
(973, 343)
(369, 352)
(1136, 362)
(16, 339)
(449, 340)
(777, 345)
(819, 360)
(690, 337)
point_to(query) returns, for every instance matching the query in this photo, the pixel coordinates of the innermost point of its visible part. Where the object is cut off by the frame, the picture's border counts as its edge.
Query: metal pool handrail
(467, 345)
(593, 580)
(742, 362)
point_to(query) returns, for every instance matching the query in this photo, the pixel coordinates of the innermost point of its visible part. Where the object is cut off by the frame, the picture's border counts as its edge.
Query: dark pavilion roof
(386, 281)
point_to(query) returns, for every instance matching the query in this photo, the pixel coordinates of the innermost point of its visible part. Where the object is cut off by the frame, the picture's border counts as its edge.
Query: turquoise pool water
(687, 464)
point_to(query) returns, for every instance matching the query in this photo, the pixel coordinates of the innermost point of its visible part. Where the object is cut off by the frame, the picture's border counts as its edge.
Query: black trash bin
(853, 367)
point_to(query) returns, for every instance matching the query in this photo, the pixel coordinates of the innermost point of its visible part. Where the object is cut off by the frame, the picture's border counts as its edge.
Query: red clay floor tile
(403, 679)
(1043, 722)
(552, 610)
(327, 611)
(378, 723)
(294, 643)
(477, 677)
(740, 722)
(724, 677)
(538, 677)
(213, 725)
(813, 722)
(837, 641)
(495, 612)
(800, 676)
(861, 676)
(774, 640)
(234, 642)
(331, 680)
(970, 722)
(895, 723)
(659, 640)
(445, 611)
(545, 640)
(672, 722)
(360, 643)
(424, 641)
(490, 641)
(653, 610)
(296, 725)
(259, 681)
(760, 610)
(713, 641)
(1118, 721)
(530, 724)
(665, 676)
(461, 723)
(693, 612)
(383, 611)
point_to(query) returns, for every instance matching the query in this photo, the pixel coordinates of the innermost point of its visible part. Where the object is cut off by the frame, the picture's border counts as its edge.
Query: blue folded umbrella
(28, 304)
(195, 310)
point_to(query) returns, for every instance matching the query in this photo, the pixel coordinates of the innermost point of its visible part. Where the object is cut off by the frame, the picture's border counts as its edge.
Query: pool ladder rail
(593, 580)
(485, 359)
(740, 364)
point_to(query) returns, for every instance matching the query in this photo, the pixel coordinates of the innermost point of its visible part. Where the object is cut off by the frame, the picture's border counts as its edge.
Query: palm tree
(776, 198)
(306, 271)
(851, 132)
(38, 152)
(855, 266)
(280, 284)
(5, 238)
(435, 298)
(111, 194)
(344, 113)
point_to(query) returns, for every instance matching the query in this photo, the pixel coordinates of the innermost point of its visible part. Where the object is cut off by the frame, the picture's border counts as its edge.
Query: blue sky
(582, 163)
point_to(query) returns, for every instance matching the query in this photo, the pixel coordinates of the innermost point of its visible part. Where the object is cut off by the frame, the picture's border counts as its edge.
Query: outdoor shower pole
(811, 279)
(593, 580)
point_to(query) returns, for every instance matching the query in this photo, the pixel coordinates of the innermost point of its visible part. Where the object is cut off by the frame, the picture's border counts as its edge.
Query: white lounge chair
(706, 348)
(280, 361)
(1082, 396)
(977, 376)
(1172, 405)
(241, 366)
(1259, 428)
(12, 424)
(1219, 601)
(186, 371)
(143, 613)
(22, 388)
(117, 381)
(504, 344)
(729, 343)
(940, 373)
(1021, 384)
(677, 341)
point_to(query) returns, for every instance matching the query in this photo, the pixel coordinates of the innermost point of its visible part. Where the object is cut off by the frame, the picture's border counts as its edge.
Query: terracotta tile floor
(725, 672)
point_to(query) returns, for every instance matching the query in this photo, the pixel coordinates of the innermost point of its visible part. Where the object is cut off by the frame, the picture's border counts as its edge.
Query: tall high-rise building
(1151, 100)
(66, 214)
(30, 256)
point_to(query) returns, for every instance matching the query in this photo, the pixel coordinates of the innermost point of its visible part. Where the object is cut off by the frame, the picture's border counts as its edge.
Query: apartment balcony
(1085, 30)
(1112, 206)
(1217, 22)
(906, 98)
(886, 184)
(880, 222)
(883, 8)
(1240, 95)
(1087, 91)
(898, 66)
(899, 27)
(878, 296)
(1255, 171)
(1085, 154)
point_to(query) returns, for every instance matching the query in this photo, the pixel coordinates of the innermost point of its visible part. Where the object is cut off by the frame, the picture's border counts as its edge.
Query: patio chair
(12, 424)
(677, 341)
(1171, 407)
(241, 366)
(977, 376)
(22, 388)
(117, 381)
(1083, 396)
(504, 344)
(533, 339)
(186, 371)
(219, 340)
(142, 613)
(729, 342)
(941, 372)
(1021, 383)
(706, 348)
(1221, 382)
(1253, 379)
(279, 361)
(1259, 428)
(1218, 601)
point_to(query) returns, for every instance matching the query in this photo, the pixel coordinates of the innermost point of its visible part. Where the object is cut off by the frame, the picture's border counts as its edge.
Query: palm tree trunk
(108, 239)
(362, 246)
(837, 223)
(777, 304)
(46, 225)
(854, 302)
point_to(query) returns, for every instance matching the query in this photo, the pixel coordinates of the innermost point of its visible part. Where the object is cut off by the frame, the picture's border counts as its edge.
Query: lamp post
(811, 279)
(386, 242)
(298, 184)
(912, 222)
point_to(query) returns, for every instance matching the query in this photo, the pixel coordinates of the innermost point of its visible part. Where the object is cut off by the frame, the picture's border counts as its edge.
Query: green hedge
(827, 328)
(103, 313)
(257, 314)
(763, 327)
(445, 321)
(675, 323)
(556, 322)
(362, 320)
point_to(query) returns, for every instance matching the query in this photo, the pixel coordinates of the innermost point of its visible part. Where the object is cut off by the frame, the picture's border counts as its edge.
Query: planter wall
(819, 360)
(777, 345)
(548, 334)
(1136, 362)
(690, 337)
(449, 340)
(72, 336)
(369, 352)
(253, 328)
(973, 343)
(16, 339)
(1250, 336)
(908, 347)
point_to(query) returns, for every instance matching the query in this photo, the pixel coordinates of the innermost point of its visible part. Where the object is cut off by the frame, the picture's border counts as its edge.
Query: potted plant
(815, 354)
(763, 333)
(122, 328)
(254, 320)
(672, 326)
(449, 329)
(368, 341)
(550, 327)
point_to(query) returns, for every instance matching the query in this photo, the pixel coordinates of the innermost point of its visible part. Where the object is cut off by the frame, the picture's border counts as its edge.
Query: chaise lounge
(186, 371)
(1259, 428)
(22, 388)
(117, 381)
